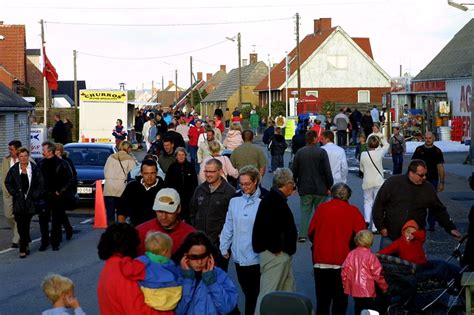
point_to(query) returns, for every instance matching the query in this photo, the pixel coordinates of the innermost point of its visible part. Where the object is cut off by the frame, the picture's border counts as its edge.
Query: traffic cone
(100, 215)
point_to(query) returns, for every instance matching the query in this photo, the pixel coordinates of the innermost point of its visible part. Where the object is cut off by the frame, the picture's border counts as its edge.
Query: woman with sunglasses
(207, 289)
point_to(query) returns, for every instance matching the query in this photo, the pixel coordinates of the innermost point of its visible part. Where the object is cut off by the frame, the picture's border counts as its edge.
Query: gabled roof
(181, 101)
(455, 60)
(231, 83)
(9, 100)
(307, 47)
(216, 79)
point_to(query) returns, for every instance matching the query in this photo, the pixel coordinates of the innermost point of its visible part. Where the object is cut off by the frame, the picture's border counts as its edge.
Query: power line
(166, 25)
(197, 7)
(156, 57)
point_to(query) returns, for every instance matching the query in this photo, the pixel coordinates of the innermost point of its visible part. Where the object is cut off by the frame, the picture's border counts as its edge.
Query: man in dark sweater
(406, 197)
(209, 204)
(274, 236)
(433, 157)
(313, 176)
(138, 197)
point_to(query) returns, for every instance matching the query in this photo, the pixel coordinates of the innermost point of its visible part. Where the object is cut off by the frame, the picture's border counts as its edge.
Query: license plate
(84, 190)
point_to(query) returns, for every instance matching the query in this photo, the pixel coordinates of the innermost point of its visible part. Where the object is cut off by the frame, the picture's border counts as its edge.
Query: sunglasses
(197, 257)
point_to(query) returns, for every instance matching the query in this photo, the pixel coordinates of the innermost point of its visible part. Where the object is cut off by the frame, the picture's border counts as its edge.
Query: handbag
(368, 153)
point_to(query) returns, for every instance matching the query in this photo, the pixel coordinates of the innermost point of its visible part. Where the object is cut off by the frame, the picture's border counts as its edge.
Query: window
(363, 96)
(337, 62)
(314, 93)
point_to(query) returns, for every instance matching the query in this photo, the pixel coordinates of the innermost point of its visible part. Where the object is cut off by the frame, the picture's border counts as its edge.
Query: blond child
(60, 291)
(360, 271)
(162, 284)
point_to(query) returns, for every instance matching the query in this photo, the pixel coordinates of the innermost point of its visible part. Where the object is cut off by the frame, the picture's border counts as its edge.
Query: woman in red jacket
(331, 230)
(118, 291)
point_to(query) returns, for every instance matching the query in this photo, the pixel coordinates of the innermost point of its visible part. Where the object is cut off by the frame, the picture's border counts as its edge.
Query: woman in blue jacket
(206, 289)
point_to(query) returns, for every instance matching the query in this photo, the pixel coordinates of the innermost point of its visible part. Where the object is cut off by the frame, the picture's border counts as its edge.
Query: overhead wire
(155, 57)
(167, 24)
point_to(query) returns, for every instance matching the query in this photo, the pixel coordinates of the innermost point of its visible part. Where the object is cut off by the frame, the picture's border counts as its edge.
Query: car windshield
(89, 156)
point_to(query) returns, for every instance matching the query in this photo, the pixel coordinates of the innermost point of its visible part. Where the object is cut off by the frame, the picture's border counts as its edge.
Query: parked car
(89, 160)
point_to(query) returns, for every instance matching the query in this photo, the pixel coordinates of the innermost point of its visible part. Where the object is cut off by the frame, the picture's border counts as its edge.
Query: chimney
(170, 82)
(244, 62)
(253, 58)
(199, 76)
(321, 25)
(208, 76)
(223, 68)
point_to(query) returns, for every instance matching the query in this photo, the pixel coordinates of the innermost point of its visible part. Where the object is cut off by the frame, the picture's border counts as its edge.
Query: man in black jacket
(407, 197)
(209, 204)
(274, 236)
(59, 130)
(312, 172)
(59, 189)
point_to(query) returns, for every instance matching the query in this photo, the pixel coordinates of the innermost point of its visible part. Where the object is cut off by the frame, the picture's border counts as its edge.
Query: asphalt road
(20, 291)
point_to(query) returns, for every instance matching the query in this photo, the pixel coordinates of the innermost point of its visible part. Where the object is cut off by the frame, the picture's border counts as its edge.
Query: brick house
(213, 80)
(12, 55)
(334, 67)
(226, 95)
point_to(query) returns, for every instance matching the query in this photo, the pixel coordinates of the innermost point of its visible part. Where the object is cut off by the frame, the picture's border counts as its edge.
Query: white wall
(339, 63)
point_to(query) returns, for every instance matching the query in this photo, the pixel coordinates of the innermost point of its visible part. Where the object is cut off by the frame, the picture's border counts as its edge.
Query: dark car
(89, 160)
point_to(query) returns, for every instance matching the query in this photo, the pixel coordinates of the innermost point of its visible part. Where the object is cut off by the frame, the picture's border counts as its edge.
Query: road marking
(38, 239)
(10, 249)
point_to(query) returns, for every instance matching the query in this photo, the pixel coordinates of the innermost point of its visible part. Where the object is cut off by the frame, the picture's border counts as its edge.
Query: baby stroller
(409, 295)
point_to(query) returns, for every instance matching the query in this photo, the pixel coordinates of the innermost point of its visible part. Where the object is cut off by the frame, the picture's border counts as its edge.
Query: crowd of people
(196, 201)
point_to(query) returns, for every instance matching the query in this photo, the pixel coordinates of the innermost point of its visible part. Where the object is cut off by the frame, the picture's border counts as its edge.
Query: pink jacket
(360, 271)
(233, 139)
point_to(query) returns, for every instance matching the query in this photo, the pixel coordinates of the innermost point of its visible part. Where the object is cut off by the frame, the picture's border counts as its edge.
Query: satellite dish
(2, 37)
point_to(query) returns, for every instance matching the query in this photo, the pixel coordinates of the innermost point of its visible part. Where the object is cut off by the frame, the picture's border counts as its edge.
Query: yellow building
(226, 95)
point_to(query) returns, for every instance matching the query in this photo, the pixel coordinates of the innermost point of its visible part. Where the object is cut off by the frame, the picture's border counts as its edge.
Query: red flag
(50, 72)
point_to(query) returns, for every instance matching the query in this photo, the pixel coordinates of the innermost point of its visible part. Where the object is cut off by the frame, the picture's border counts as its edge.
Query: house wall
(249, 97)
(459, 94)
(12, 51)
(339, 63)
(13, 126)
(6, 78)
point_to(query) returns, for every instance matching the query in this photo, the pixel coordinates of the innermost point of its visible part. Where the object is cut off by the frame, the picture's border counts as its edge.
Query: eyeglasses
(197, 257)
(247, 184)
(421, 175)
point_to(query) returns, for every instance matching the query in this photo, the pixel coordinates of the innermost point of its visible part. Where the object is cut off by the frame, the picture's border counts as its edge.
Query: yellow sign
(290, 129)
(103, 96)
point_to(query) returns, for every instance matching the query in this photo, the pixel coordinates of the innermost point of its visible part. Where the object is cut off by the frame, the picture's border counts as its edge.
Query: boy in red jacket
(410, 247)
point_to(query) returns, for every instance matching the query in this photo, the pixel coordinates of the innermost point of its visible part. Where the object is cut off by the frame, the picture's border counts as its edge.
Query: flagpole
(45, 84)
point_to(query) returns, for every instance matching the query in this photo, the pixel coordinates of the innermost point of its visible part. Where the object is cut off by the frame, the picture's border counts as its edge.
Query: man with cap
(167, 207)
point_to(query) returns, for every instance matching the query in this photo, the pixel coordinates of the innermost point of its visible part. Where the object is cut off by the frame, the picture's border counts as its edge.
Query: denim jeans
(397, 163)
(110, 206)
(355, 133)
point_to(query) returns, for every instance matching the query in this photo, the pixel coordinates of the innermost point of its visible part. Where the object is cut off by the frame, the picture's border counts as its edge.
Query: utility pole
(76, 100)
(269, 87)
(298, 54)
(176, 87)
(240, 71)
(45, 84)
(287, 72)
(191, 68)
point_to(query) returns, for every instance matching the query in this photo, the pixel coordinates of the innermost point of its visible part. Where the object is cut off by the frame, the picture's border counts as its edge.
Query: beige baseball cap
(167, 200)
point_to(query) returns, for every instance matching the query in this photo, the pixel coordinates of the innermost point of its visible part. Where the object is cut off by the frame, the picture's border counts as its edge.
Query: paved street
(20, 291)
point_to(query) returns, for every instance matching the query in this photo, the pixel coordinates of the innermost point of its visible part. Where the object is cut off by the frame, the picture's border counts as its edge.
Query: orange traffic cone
(100, 216)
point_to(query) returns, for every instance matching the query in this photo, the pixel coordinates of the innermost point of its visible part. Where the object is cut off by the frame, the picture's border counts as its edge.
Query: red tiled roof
(307, 46)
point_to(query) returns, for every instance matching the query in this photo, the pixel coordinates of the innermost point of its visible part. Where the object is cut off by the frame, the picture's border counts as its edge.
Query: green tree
(196, 97)
(131, 95)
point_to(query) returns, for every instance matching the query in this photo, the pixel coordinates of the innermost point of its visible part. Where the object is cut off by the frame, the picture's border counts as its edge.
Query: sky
(145, 41)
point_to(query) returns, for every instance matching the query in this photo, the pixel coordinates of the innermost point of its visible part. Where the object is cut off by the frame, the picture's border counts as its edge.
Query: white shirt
(338, 162)
(372, 177)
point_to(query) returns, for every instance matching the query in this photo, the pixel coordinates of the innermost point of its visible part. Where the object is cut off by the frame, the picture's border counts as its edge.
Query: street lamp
(463, 7)
(460, 6)
(232, 39)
